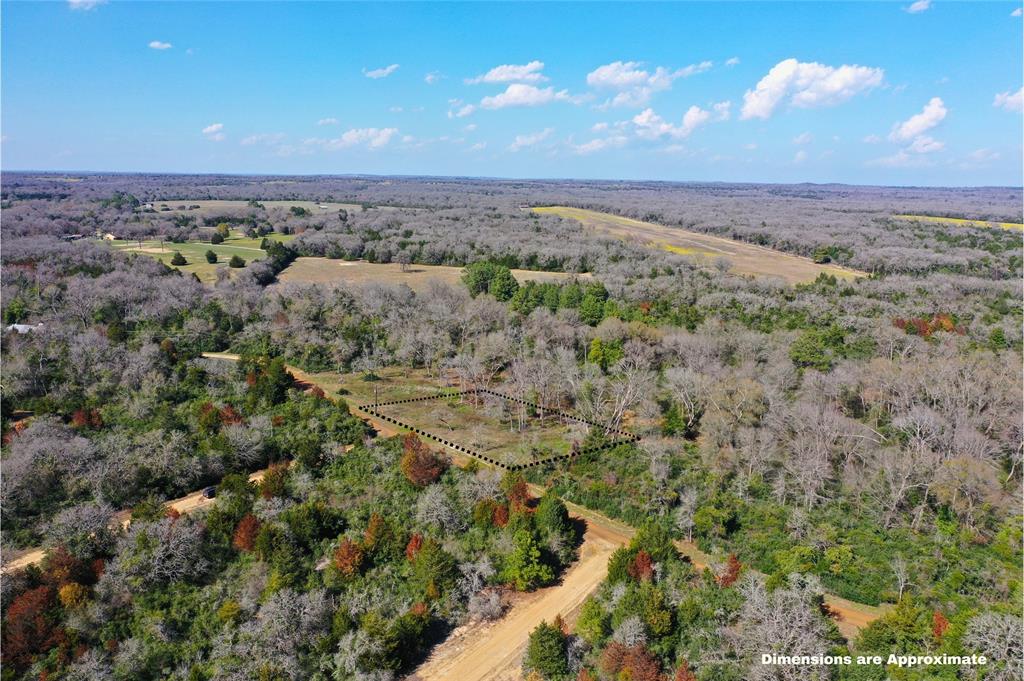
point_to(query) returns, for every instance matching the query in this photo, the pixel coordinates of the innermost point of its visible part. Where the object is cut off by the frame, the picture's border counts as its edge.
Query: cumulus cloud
(924, 144)
(601, 144)
(479, 146)
(214, 132)
(381, 73)
(520, 94)
(1017, 12)
(372, 138)
(85, 5)
(901, 159)
(158, 45)
(1011, 101)
(635, 85)
(263, 138)
(459, 109)
(432, 77)
(732, 61)
(530, 140)
(327, 121)
(512, 73)
(803, 138)
(806, 85)
(919, 6)
(799, 157)
(931, 115)
(872, 139)
(650, 126)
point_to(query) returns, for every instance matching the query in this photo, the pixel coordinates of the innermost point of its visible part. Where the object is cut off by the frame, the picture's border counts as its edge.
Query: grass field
(962, 222)
(743, 258)
(418, 277)
(213, 207)
(195, 252)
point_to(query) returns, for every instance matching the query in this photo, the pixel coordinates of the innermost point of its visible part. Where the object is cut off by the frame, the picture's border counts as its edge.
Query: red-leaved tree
(245, 533)
(348, 558)
(641, 569)
(420, 465)
(29, 628)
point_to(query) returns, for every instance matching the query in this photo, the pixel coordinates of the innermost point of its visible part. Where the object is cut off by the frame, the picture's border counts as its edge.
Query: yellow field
(417, 277)
(743, 258)
(962, 222)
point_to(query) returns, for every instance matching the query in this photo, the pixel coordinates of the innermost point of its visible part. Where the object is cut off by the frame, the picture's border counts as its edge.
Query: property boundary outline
(622, 436)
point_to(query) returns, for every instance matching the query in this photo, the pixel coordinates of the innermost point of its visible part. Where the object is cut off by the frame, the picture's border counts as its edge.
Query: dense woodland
(858, 437)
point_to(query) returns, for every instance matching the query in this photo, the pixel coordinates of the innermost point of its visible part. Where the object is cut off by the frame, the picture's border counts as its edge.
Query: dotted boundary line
(623, 436)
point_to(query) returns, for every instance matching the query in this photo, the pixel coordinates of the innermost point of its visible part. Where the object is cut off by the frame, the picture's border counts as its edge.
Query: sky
(923, 92)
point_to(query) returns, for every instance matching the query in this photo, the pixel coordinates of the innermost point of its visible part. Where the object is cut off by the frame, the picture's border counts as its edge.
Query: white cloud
(649, 125)
(803, 138)
(432, 77)
(158, 45)
(530, 140)
(750, 147)
(872, 139)
(519, 94)
(459, 109)
(85, 5)
(1017, 12)
(800, 157)
(512, 73)
(931, 115)
(372, 138)
(263, 138)
(395, 109)
(327, 121)
(808, 84)
(479, 146)
(732, 61)
(1011, 101)
(919, 6)
(214, 132)
(900, 159)
(636, 85)
(980, 156)
(924, 144)
(601, 144)
(470, 128)
(381, 73)
(599, 127)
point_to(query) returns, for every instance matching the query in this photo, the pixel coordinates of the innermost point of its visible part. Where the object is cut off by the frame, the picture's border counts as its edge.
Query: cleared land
(194, 252)
(215, 206)
(960, 222)
(743, 258)
(417, 277)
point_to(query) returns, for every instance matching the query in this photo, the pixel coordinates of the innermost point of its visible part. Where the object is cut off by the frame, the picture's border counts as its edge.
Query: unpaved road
(493, 652)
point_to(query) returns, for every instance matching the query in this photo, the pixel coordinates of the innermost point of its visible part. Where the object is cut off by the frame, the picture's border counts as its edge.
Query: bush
(211, 257)
(546, 652)
(236, 262)
(217, 238)
(178, 259)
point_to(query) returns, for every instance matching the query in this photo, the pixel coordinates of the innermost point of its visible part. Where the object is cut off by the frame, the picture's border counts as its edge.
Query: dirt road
(494, 651)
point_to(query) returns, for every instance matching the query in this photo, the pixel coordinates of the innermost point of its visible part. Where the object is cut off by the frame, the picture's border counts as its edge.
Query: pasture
(205, 208)
(194, 252)
(416, 277)
(743, 258)
(961, 222)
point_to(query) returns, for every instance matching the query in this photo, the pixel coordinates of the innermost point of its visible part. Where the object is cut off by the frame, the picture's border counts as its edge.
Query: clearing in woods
(743, 258)
(416, 277)
(961, 222)
(207, 208)
(194, 252)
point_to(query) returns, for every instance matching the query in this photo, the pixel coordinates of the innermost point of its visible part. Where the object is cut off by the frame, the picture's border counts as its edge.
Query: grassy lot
(483, 426)
(962, 222)
(213, 207)
(418, 277)
(195, 252)
(743, 258)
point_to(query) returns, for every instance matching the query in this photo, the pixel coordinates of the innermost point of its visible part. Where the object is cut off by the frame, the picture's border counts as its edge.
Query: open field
(195, 252)
(418, 277)
(213, 207)
(743, 258)
(961, 222)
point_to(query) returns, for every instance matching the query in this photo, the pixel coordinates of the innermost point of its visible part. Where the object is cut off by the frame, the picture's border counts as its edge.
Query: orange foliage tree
(420, 465)
(939, 625)
(641, 569)
(29, 628)
(348, 558)
(733, 567)
(635, 663)
(414, 546)
(245, 533)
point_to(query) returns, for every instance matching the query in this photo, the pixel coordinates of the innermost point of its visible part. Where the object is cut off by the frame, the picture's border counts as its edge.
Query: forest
(860, 438)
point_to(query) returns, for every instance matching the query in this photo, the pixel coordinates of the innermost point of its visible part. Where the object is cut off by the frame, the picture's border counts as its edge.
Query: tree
(551, 516)
(178, 259)
(731, 573)
(420, 466)
(546, 652)
(523, 567)
(503, 286)
(593, 622)
(29, 629)
(245, 534)
(404, 259)
(348, 558)
(236, 262)
(217, 238)
(641, 569)
(211, 257)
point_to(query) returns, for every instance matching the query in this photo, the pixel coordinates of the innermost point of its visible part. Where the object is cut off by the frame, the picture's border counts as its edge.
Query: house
(22, 328)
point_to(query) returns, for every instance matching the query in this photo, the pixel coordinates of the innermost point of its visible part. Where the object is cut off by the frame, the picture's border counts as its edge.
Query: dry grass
(743, 258)
(418, 277)
(215, 206)
(960, 222)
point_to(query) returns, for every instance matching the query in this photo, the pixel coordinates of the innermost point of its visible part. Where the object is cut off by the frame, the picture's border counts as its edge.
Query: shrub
(419, 465)
(546, 652)
(348, 558)
(236, 262)
(178, 259)
(211, 257)
(217, 238)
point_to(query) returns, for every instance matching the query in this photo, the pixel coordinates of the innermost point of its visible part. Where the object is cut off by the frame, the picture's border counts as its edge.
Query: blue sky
(925, 92)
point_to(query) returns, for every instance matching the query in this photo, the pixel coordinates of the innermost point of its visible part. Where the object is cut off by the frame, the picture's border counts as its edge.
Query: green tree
(524, 567)
(217, 238)
(236, 262)
(503, 286)
(178, 259)
(546, 652)
(551, 516)
(211, 257)
(593, 622)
